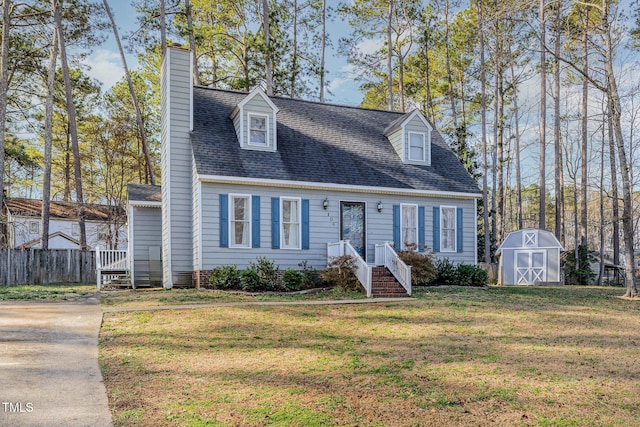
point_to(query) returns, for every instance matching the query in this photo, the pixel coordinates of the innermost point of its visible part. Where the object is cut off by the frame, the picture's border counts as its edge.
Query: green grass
(453, 356)
(52, 292)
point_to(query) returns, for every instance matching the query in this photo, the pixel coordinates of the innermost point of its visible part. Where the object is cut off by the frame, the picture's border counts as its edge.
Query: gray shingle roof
(320, 143)
(144, 193)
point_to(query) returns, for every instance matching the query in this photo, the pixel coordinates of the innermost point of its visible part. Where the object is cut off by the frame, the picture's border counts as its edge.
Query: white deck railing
(363, 270)
(386, 256)
(109, 262)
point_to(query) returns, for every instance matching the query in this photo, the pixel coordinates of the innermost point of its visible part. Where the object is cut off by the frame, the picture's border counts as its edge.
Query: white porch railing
(111, 264)
(363, 270)
(386, 256)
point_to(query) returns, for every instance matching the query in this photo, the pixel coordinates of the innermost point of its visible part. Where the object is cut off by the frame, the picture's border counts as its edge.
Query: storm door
(352, 225)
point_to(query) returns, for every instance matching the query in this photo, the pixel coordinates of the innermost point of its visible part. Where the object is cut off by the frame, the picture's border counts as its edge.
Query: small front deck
(112, 268)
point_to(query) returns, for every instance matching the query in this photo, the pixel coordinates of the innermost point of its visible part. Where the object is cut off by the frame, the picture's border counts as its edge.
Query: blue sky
(105, 64)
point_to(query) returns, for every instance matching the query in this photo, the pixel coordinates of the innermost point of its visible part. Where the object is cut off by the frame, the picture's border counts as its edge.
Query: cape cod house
(245, 175)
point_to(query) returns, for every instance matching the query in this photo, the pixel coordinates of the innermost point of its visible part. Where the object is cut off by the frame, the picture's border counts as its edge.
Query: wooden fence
(36, 266)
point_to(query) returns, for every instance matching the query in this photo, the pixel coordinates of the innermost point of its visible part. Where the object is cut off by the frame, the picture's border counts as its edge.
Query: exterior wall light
(325, 203)
(380, 206)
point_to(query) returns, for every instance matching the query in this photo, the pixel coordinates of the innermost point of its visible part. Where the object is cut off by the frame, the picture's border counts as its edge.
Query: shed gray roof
(144, 193)
(319, 143)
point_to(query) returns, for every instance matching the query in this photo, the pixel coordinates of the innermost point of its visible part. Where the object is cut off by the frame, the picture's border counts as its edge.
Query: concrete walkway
(49, 373)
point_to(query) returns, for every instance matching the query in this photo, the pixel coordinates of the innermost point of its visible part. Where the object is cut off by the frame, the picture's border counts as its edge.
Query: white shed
(529, 257)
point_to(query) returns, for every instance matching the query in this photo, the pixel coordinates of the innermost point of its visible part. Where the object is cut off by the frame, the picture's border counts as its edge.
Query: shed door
(531, 267)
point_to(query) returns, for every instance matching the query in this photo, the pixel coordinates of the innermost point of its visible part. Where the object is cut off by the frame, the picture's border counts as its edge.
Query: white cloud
(106, 67)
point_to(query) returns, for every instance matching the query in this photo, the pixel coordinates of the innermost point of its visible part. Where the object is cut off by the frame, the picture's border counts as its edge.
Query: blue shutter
(275, 222)
(436, 229)
(305, 224)
(224, 221)
(459, 247)
(255, 221)
(396, 227)
(421, 242)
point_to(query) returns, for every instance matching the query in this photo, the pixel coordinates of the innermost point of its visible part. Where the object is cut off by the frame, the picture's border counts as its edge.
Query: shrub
(266, 270)
(250, 280)
(341, 273)
(472, 275)
(448, 273)
(225, 277)
(310, 277)
(292, 279)
(422, 269)
(579, 273)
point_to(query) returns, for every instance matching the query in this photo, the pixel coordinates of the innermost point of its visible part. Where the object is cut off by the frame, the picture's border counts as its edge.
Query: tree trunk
(615, 113)
(557, 143)
(483, 114)
(192, 41)
(323, 44)
(447, 62)
(389, 59)
(4, 86)
(615, 203)
(516, 114)
(48, 142)
(134, 97)
(163, 29)
(72, 123)
(267, 43)
(585, 121)
(294, 54)
(543, 117)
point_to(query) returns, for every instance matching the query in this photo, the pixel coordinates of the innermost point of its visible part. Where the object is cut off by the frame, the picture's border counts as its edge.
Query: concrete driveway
(49, 373)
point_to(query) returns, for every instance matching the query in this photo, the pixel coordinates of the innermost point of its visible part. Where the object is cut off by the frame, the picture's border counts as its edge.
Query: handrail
(363, 270)
(110, 260)
(386, 256)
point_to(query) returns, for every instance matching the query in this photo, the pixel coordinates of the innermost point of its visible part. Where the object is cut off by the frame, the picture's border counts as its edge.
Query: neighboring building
(105, 225)
(248, 175)
(530, 257)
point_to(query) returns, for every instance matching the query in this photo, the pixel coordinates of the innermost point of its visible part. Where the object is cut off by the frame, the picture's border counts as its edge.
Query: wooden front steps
(384, 285)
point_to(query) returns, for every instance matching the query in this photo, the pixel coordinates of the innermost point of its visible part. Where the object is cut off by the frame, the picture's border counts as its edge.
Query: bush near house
(340, 273)
(448, 273)
(263, 275)
(423, 269)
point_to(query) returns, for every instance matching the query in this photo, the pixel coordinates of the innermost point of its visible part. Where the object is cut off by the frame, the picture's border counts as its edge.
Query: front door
(352, 225)
(530, 267)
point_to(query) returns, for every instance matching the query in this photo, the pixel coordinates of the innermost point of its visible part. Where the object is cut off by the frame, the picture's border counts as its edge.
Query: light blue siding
(324, 225)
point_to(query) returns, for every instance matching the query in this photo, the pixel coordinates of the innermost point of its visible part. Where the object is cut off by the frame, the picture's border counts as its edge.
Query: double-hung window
(34, 227)
(258, 129)
(417, 146)
(447, 229)
(290, 223)
(240, 221)
(409, 227)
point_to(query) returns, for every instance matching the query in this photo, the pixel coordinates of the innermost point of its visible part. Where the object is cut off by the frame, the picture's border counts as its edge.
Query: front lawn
(454, 356)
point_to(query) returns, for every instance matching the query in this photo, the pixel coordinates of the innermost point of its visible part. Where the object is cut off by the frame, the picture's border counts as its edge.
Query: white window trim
(402, 206)
(299, 201)
(232, 196)
(424, 146)
(75, 229)
(455, 229)
(34, 227)
(266, 125)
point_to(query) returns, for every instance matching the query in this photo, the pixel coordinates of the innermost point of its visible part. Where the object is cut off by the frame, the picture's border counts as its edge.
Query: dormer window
(417, 149)
(410, 135)
(258, 125)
